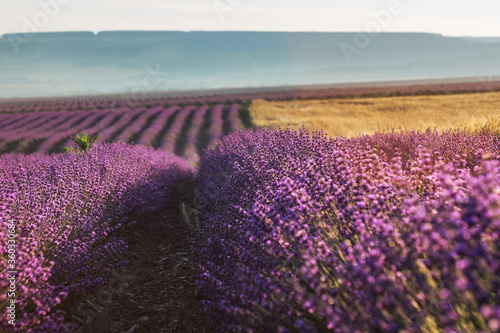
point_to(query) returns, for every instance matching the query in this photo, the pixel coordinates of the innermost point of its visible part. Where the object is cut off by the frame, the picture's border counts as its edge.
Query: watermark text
(12, 272)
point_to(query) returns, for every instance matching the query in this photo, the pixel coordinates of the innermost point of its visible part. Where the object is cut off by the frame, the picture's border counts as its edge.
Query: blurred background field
(189, 125)
(351, 117)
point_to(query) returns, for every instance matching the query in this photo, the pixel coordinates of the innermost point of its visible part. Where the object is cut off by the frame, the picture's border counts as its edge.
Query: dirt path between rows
(155, 291)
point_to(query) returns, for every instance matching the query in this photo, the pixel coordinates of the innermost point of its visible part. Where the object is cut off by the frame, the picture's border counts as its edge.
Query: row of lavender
(130, 101)
(157, 127)
(298, 232)
(90, 103)
(66, 213)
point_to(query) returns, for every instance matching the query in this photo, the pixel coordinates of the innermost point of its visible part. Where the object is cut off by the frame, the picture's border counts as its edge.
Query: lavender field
(184, 130)
(395, 232)
(68, 212)
(288, 231)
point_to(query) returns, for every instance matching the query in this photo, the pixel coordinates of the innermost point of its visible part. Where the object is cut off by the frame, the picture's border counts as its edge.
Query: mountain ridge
(63, 63)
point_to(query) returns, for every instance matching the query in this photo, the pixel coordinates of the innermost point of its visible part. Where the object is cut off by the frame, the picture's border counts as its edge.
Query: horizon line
(268, 31)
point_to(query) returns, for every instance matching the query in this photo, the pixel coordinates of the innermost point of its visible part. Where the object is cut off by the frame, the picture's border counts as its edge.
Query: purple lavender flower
(68, 210)
(299, 232)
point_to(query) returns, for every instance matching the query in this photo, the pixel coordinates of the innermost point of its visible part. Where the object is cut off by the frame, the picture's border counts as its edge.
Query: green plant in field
(83, 141)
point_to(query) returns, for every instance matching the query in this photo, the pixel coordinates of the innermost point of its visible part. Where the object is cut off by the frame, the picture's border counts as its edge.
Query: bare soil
(155, 291)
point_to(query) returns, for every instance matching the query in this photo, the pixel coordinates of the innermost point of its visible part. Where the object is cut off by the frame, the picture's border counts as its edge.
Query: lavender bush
(234, 119)
(168, 142)
(216, 123)
(192, 136)
(125, 118)
(150, 134)
(390, 233)
(69, 210)
(136, 126)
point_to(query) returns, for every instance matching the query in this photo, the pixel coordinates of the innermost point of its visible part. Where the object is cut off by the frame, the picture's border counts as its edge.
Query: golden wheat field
(351, 117)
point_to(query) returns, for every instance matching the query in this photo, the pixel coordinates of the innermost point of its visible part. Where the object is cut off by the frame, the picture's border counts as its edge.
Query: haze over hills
(74, 63)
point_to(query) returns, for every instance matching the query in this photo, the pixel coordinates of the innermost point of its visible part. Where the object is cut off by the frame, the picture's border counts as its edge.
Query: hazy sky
(448, 17)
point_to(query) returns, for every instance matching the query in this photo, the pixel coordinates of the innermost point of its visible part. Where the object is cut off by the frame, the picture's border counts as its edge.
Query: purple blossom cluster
(69, 210)
(448, 144)
(299, 232)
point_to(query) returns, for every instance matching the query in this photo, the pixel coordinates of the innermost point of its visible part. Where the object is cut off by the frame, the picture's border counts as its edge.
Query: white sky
(447, 17)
